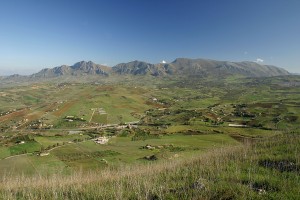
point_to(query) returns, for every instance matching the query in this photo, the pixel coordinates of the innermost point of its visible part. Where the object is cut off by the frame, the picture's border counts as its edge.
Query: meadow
(264, 170)
(232, 138)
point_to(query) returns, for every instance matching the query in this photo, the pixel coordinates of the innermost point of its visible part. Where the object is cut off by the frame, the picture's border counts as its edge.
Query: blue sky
(35, 34)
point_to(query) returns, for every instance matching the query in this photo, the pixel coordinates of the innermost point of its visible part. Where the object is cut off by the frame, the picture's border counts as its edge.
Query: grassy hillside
(264, 170)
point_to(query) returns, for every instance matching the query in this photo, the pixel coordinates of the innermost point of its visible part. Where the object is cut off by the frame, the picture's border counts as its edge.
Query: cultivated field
(83, 131)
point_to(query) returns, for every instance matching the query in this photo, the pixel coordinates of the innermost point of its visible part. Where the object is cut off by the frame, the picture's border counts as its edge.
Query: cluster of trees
(140, 134)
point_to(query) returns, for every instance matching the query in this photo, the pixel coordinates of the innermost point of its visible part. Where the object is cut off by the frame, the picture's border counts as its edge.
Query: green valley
(67, 128)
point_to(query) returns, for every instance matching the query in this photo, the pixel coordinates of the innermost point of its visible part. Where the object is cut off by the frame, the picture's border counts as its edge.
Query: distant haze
(18, 70)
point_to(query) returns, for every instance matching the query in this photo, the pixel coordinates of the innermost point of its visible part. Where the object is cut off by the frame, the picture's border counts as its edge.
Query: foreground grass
(265, 170)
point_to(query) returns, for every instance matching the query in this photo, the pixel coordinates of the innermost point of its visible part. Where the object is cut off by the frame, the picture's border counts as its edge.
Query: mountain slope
(82, 71)
(204, 67)
(78, 69)
(223, 68)
(139, 68)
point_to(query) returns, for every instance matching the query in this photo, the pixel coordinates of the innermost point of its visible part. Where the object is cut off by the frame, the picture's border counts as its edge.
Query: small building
(70, 117)
(149, 147)
(237, 125)
(101, 140)
(75, 132)
(44, 154)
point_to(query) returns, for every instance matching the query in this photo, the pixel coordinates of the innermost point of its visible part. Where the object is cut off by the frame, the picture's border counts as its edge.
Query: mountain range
(204, 67)
(179, 67)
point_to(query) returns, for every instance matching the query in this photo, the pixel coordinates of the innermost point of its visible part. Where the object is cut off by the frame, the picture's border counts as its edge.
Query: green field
(49, 129)
(87, 154)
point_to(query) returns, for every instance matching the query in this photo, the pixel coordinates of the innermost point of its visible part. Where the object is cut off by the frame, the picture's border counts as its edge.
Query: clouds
(163, 62)
(259, 60)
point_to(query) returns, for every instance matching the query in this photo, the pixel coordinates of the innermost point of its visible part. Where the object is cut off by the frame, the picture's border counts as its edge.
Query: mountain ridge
(79, 68)
(178, 67)
(203, 67)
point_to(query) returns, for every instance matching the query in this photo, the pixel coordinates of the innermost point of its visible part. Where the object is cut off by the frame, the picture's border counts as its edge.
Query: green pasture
(185, 115)
(16, 166)
(119, 104)
(32, 164)
(131, 151)
(27, 147)
(4, 152)
(53, 140)
(120, 150)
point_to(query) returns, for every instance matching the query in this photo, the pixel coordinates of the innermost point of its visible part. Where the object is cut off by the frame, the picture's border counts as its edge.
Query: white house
(101, 140)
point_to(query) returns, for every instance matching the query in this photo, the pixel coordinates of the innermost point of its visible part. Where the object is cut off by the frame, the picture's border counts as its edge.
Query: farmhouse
(237, 125)
(149, 147)
(101, 111)
(101, 140)
(74, 132)
(70, 117)
(44, 154)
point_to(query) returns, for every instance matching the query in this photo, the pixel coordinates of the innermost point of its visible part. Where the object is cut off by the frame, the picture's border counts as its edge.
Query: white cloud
(259, 60)
(163, 62)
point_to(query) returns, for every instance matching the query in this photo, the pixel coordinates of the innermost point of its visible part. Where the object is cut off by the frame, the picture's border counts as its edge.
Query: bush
(140, 134)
